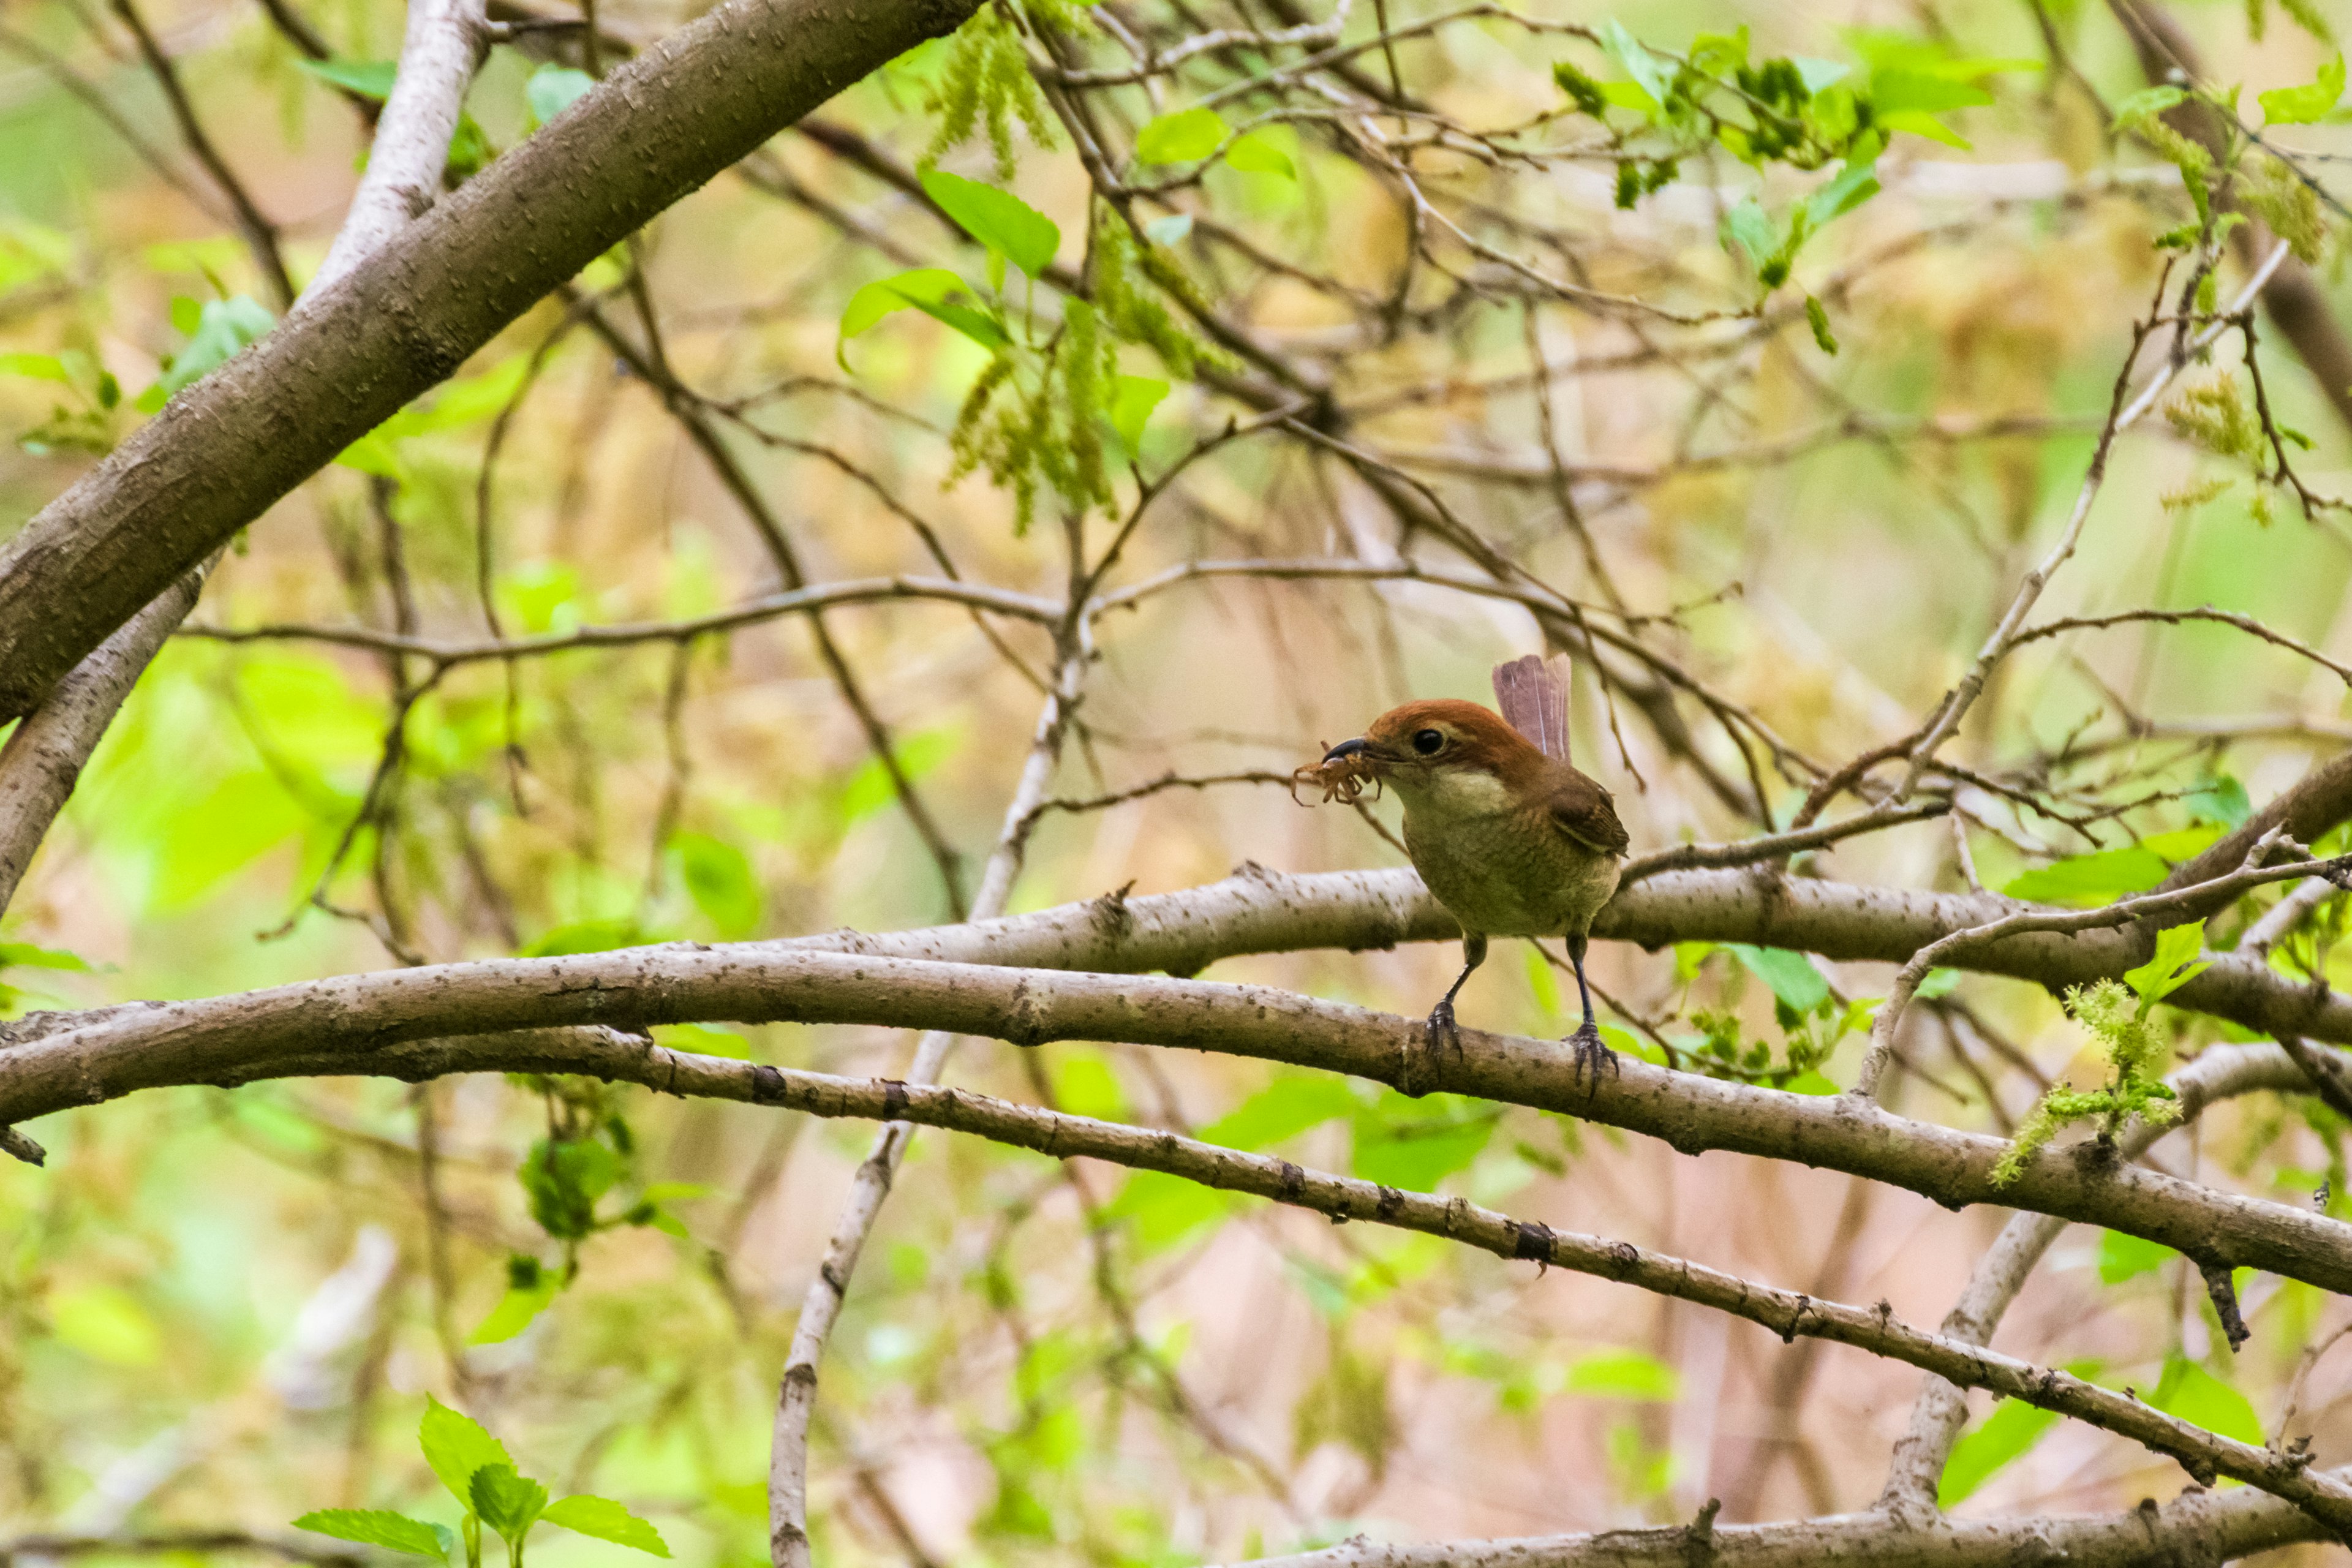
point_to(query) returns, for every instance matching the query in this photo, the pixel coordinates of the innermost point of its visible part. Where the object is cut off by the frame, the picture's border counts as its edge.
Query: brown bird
(1508, 836)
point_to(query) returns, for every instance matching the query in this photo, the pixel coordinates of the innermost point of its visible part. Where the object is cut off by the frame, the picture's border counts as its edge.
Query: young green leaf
(1791, 976)
(224, 329)
(2302, 105)
(2172, 967)
(1131, 403)
(998, 219)
(1183, 137)
(2196, 1396)
(720, 879)
(1817, 316)
(380, 1527)
(2123, 1257)
(369, 78)
(508, 1503)
(1747, 227)
(1622, 1374)
(2145, 104)
(2007, 1435)
(1654, 76)
(1256, 153)
(24, 955)
(606, 1520)
(39, 367)
(456, 1447)
(908, 290)
(553, 88)
(529, 1287)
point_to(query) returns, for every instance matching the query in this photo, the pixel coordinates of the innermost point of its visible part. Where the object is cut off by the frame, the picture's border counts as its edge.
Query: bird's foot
(1439, 1038)
(1590, 1056)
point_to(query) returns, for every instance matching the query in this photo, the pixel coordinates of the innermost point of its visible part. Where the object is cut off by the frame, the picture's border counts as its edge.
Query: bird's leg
(1591, 1056)
(1443, 1033)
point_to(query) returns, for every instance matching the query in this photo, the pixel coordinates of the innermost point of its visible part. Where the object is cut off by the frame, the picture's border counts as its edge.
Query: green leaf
(24, 955)
(1170, 229)
(529, 1288)
(1817, 316)
(2302, 105)
(1818, 74)
(225, 327)
(369, 78)
(1654, 76)
(1746, 227)
(1901, 90)
(2004, 1436)
(1182, 137)
(2221, 799)
(2122, 1256)
(553, 88)
(1417, 1143)
(1163, 1209)
(2146, 104)
(508, 1503)
(1791, 976)
(1622, 1374)
(1131, 404)
(2103, 876)
(586, 936)
(998, 219)
(456, 1447)
(720, 879)
(1855, 183)
(703, 1040)
(606, 1520)
(2196, 1396)
(1281, 1112)
(564, 1178)
(106, 1323)
(380, 1527)
(39, 367)
(1259, 153)
(871, 303)
(2173, 966)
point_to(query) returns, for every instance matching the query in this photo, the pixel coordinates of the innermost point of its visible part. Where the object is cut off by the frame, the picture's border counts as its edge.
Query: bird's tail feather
(1533, 694)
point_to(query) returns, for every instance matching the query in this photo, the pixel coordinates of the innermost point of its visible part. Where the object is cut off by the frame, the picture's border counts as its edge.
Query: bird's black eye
(1428, 742)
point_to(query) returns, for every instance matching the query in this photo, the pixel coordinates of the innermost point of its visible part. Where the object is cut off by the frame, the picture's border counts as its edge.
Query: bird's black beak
(1355, 748)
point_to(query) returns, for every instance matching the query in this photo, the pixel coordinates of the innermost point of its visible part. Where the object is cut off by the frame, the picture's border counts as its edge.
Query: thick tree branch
(2323, 1495)
(2197, 1526)
(223, 451)
(225, 1040)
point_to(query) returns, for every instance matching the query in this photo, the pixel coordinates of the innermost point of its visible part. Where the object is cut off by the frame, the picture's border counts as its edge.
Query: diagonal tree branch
(2323, 1495)
(223, 451)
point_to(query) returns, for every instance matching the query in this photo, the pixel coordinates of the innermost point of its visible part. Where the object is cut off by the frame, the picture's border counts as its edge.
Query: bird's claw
(1591, 1055)
(1439, 1038)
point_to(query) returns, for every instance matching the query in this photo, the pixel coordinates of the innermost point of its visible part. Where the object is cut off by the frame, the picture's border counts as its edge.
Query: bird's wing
(1533, 695)
(1583, 810)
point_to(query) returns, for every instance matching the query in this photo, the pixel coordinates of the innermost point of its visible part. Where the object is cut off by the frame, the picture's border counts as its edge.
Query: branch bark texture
(355, 1018)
